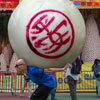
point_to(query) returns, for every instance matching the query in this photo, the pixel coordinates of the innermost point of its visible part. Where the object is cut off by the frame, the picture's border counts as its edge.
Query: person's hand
(67, 66)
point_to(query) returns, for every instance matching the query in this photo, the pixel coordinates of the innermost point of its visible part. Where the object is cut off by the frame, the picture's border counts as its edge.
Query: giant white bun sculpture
(47, 33)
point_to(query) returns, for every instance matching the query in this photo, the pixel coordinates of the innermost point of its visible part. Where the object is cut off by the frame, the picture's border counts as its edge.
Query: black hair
(96, 61)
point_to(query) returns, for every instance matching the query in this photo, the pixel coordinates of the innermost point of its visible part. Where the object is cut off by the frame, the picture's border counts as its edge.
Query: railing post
(12, 84)
(15, 83)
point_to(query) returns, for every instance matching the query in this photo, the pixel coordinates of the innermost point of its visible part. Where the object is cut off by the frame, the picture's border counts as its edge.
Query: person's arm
(50, 70)
(93, 67)
(82, 61)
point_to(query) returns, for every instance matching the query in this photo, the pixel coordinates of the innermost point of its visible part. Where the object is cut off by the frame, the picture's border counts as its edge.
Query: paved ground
(59, 96)
(80, 96)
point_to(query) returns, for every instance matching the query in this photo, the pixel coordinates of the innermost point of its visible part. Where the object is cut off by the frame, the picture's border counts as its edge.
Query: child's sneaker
(21, 95)
(29, 96)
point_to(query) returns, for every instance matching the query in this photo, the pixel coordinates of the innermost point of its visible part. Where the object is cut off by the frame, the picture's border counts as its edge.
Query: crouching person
(42, 77)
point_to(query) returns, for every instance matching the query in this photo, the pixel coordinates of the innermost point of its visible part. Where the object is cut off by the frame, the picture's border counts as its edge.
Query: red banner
(9, 0)
(90, 4)
(8, 4)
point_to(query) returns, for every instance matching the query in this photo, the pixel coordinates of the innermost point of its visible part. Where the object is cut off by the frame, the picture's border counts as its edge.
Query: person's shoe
(21, 95)
(29, 96)
(98, 96)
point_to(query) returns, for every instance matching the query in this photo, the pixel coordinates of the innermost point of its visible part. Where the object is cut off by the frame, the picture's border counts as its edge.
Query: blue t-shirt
(38, 76)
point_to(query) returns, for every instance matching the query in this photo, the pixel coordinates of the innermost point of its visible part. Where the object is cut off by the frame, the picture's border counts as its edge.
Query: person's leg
(22, 91)
(29, 83)
(72, 86)
(41, 93)
(53, 92)
(98, 85)
(24, 87)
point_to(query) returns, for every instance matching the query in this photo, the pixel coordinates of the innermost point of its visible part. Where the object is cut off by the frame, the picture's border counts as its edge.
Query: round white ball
(47, 33)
